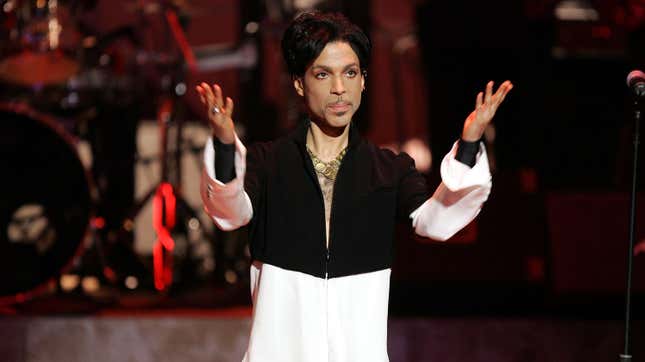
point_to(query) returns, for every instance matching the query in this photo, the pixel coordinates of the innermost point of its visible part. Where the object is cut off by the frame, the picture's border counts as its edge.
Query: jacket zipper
(331, 222)
(327, 257)
(331, 213)
(328, 241)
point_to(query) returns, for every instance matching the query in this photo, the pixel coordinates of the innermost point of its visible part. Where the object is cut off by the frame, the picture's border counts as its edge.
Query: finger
(506, 89)
(200, 91)
(502, 88)
(480, 99)
(489, 92)
(497, 97)
(219, 101)
(208, 94)
(229, 107)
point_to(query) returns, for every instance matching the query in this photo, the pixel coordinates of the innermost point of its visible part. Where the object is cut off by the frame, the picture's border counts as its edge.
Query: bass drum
(46, 202)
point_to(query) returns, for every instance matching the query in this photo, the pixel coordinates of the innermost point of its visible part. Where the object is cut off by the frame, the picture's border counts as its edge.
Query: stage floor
(221, 335)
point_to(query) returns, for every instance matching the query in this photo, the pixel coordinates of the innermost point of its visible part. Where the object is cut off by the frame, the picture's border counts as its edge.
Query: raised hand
(485, 108)
(219, 114)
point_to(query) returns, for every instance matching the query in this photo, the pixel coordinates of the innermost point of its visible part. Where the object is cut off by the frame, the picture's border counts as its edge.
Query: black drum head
(45, 202)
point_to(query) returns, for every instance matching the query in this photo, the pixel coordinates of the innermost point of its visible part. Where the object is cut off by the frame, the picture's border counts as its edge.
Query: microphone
(636, 81)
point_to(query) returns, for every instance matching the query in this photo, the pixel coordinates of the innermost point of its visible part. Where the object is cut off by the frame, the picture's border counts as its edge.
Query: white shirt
(301, 318)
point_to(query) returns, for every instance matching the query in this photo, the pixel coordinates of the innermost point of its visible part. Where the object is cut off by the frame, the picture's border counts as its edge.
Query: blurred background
(106, 254)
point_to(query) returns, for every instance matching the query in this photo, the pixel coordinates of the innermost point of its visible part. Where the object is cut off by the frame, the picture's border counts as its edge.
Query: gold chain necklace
(327, 169)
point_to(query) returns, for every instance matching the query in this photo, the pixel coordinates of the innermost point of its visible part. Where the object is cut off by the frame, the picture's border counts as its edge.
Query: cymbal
(31, 68)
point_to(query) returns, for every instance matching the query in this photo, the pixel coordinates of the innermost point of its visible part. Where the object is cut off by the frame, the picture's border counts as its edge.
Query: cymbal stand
(166, 201)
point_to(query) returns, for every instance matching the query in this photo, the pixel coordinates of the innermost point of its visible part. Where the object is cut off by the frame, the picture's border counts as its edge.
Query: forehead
(336, 54)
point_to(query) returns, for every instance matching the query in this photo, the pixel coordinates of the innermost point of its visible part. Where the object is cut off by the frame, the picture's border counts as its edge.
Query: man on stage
(322, 202)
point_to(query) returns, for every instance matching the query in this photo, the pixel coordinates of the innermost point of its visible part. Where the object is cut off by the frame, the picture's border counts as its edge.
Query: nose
(338, 86)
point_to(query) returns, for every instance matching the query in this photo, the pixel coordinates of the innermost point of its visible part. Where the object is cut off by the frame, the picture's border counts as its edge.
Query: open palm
(485, 108)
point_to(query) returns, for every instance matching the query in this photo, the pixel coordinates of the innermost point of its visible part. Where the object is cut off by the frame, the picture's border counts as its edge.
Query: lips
(339, 107)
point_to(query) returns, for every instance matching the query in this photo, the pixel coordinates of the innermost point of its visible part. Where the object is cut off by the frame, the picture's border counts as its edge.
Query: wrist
(472, 136)
(223, 139)
(467, 152)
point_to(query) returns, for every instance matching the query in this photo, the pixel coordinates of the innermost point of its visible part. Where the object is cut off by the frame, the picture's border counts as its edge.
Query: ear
(299, 86)
(364, 75)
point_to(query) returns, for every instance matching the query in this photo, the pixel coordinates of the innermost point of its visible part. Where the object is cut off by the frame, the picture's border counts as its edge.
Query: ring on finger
(215, 110)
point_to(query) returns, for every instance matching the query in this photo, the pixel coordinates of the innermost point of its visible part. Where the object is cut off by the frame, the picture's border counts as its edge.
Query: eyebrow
(330, 70)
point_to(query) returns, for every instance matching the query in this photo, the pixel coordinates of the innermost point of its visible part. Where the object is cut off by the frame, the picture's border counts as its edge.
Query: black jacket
(374, 187)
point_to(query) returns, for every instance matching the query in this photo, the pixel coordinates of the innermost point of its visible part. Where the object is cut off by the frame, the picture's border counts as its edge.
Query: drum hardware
(170, 210)
(178, 229)
(47, 203)
(42, 43)
(169, 207)
(47, 214)
(51, 95)
(74, 95)
(244, 56)
(52, 60)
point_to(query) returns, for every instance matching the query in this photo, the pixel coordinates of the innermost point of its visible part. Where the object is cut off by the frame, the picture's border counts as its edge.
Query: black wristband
(224, 160)
(467, 152)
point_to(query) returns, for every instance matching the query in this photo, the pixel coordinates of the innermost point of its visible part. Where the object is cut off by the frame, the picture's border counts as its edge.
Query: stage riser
(211, 339)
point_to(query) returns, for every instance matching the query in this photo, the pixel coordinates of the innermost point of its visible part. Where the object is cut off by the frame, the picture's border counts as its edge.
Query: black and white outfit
(318, 295)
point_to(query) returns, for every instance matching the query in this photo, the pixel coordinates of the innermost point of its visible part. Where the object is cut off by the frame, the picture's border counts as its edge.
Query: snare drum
(40, 54)
(40, 42)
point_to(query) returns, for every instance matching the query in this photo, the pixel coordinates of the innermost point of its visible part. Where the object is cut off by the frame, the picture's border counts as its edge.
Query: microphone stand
(626, 356)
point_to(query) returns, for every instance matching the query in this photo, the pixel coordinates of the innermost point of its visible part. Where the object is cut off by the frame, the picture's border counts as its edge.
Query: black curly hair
(309, 33)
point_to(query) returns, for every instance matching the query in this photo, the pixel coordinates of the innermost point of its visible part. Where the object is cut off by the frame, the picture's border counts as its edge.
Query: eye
(352, 73)
(321, 75)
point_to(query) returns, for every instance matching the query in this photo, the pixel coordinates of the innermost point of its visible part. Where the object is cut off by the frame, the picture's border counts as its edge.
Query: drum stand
(168, 204)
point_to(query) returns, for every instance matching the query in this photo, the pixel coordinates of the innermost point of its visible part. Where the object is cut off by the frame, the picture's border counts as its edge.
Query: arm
(226, 202)
(466, 183)
(457, 200)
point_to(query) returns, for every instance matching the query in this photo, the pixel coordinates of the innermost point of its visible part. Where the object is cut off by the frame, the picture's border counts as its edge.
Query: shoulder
(387, 167)
(260, 149)
(385, 157)
(269, 150)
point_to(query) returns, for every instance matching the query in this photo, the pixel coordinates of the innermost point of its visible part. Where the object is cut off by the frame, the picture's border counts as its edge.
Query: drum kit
(54, 81)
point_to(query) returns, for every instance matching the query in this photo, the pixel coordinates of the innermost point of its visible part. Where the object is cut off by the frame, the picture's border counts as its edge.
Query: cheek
(358, 104)
(357, 97)
(357, 87)
(314, 105)
(315, 99)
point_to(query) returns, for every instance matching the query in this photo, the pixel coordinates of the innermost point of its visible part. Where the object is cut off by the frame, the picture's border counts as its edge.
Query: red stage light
(163, 219)
(98, 222)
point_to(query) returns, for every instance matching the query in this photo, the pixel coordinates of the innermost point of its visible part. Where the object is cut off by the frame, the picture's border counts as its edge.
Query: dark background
(551, 239)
